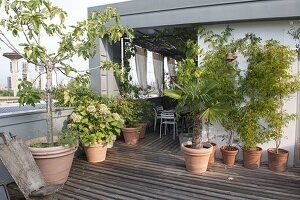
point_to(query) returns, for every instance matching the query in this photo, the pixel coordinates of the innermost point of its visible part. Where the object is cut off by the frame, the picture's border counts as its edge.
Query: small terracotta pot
(213, 153)
(96, 153)
(229, 156)
(143, 127)
(196, 160)
(131, 135)
(252, 158)
(54, 162)
(278, 162)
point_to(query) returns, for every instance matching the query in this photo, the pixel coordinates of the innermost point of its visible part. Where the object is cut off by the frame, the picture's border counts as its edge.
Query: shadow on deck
(154, 169)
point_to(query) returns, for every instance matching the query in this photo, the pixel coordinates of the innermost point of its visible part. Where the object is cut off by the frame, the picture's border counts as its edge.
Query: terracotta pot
(96, 153)
(213, 153)
(229, 156)
(131, 135)
(196, 160)
(278, 162)
(54, 162)
(143, 127)
(252, 158)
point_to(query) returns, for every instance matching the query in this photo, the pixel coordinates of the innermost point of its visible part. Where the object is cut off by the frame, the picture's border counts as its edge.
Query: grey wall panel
(94, 64)
(28, 125)
(141, 14)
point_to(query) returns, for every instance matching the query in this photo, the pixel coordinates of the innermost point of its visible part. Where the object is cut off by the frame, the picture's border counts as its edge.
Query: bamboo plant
(34, 21)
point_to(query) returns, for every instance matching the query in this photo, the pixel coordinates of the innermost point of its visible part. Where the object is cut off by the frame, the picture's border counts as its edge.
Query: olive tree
(33, 21)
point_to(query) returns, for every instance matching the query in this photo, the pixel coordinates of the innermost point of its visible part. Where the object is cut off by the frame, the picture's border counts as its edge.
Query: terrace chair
(18, 160)
(168, 118)
(157, 111)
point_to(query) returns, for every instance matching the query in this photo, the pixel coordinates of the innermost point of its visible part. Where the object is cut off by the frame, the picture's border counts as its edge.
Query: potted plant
(229, 151)
(32, 19)
(132, 115)
(96, 126)
(62, 153)
(147, 114)
(259, 106)
(194, 91)
(282, 83)
(225, 73)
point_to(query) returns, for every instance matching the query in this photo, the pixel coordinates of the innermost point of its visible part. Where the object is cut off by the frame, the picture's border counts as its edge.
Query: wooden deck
(154, 169)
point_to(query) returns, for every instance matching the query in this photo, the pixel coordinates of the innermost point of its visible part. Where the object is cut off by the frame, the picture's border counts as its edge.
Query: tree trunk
(197, 138)
(49, 106)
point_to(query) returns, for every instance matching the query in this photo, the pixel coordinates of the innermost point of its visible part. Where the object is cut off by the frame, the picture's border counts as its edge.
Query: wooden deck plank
(154, 169)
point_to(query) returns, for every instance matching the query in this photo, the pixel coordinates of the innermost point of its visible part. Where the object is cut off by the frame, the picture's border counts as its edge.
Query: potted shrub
(229, 152)
(37, 20)
(132, 115)
(96, 126)
(147, 115)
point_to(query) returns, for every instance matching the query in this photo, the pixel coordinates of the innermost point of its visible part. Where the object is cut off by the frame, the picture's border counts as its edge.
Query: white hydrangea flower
(76, 118)
(117, 117)
(91, 109)
(104, 109)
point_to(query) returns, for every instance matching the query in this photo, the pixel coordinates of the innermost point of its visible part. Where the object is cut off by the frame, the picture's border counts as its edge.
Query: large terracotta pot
(143, 127)
(96, 153)
(252, 158)
(131, 135)
(54, 162)
(196, 160)
(213, 153)
(278, 162)
(229, 155)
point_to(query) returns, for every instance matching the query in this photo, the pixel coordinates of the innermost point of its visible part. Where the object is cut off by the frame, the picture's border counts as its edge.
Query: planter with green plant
(278, 83)
(266, 84)
(230, 124)
(225, 73)
(38, 21)
(195, 91)
(147, 115)
(96, 126)
(132, 115)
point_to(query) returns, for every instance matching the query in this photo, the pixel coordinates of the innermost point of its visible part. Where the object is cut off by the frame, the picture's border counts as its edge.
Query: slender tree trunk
(207, 124)
(230, 139)
(49, 106)
(197, 138)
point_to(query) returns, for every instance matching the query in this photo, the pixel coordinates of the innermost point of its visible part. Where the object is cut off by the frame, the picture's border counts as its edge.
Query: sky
(77, 11)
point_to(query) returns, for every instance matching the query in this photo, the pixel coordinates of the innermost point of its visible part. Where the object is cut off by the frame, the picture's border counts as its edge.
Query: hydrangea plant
(96, 123)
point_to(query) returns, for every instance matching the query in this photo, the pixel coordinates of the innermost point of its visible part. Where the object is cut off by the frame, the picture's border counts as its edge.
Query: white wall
(277, 30)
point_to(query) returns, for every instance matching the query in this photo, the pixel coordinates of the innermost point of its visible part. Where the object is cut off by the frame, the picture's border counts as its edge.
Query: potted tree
(35, 19)
(258, 87)
(225, 73)
(282, 83)
(194, 91)
(229, 151)
(96, 126)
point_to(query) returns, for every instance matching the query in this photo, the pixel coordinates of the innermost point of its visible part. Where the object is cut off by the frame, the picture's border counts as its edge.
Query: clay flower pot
(229, 155)
(143, 127)
(196, 160)
(278, 162)
(54, 162)
(131, 135)
(96, 153)
(213, 153)
(252, 158)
